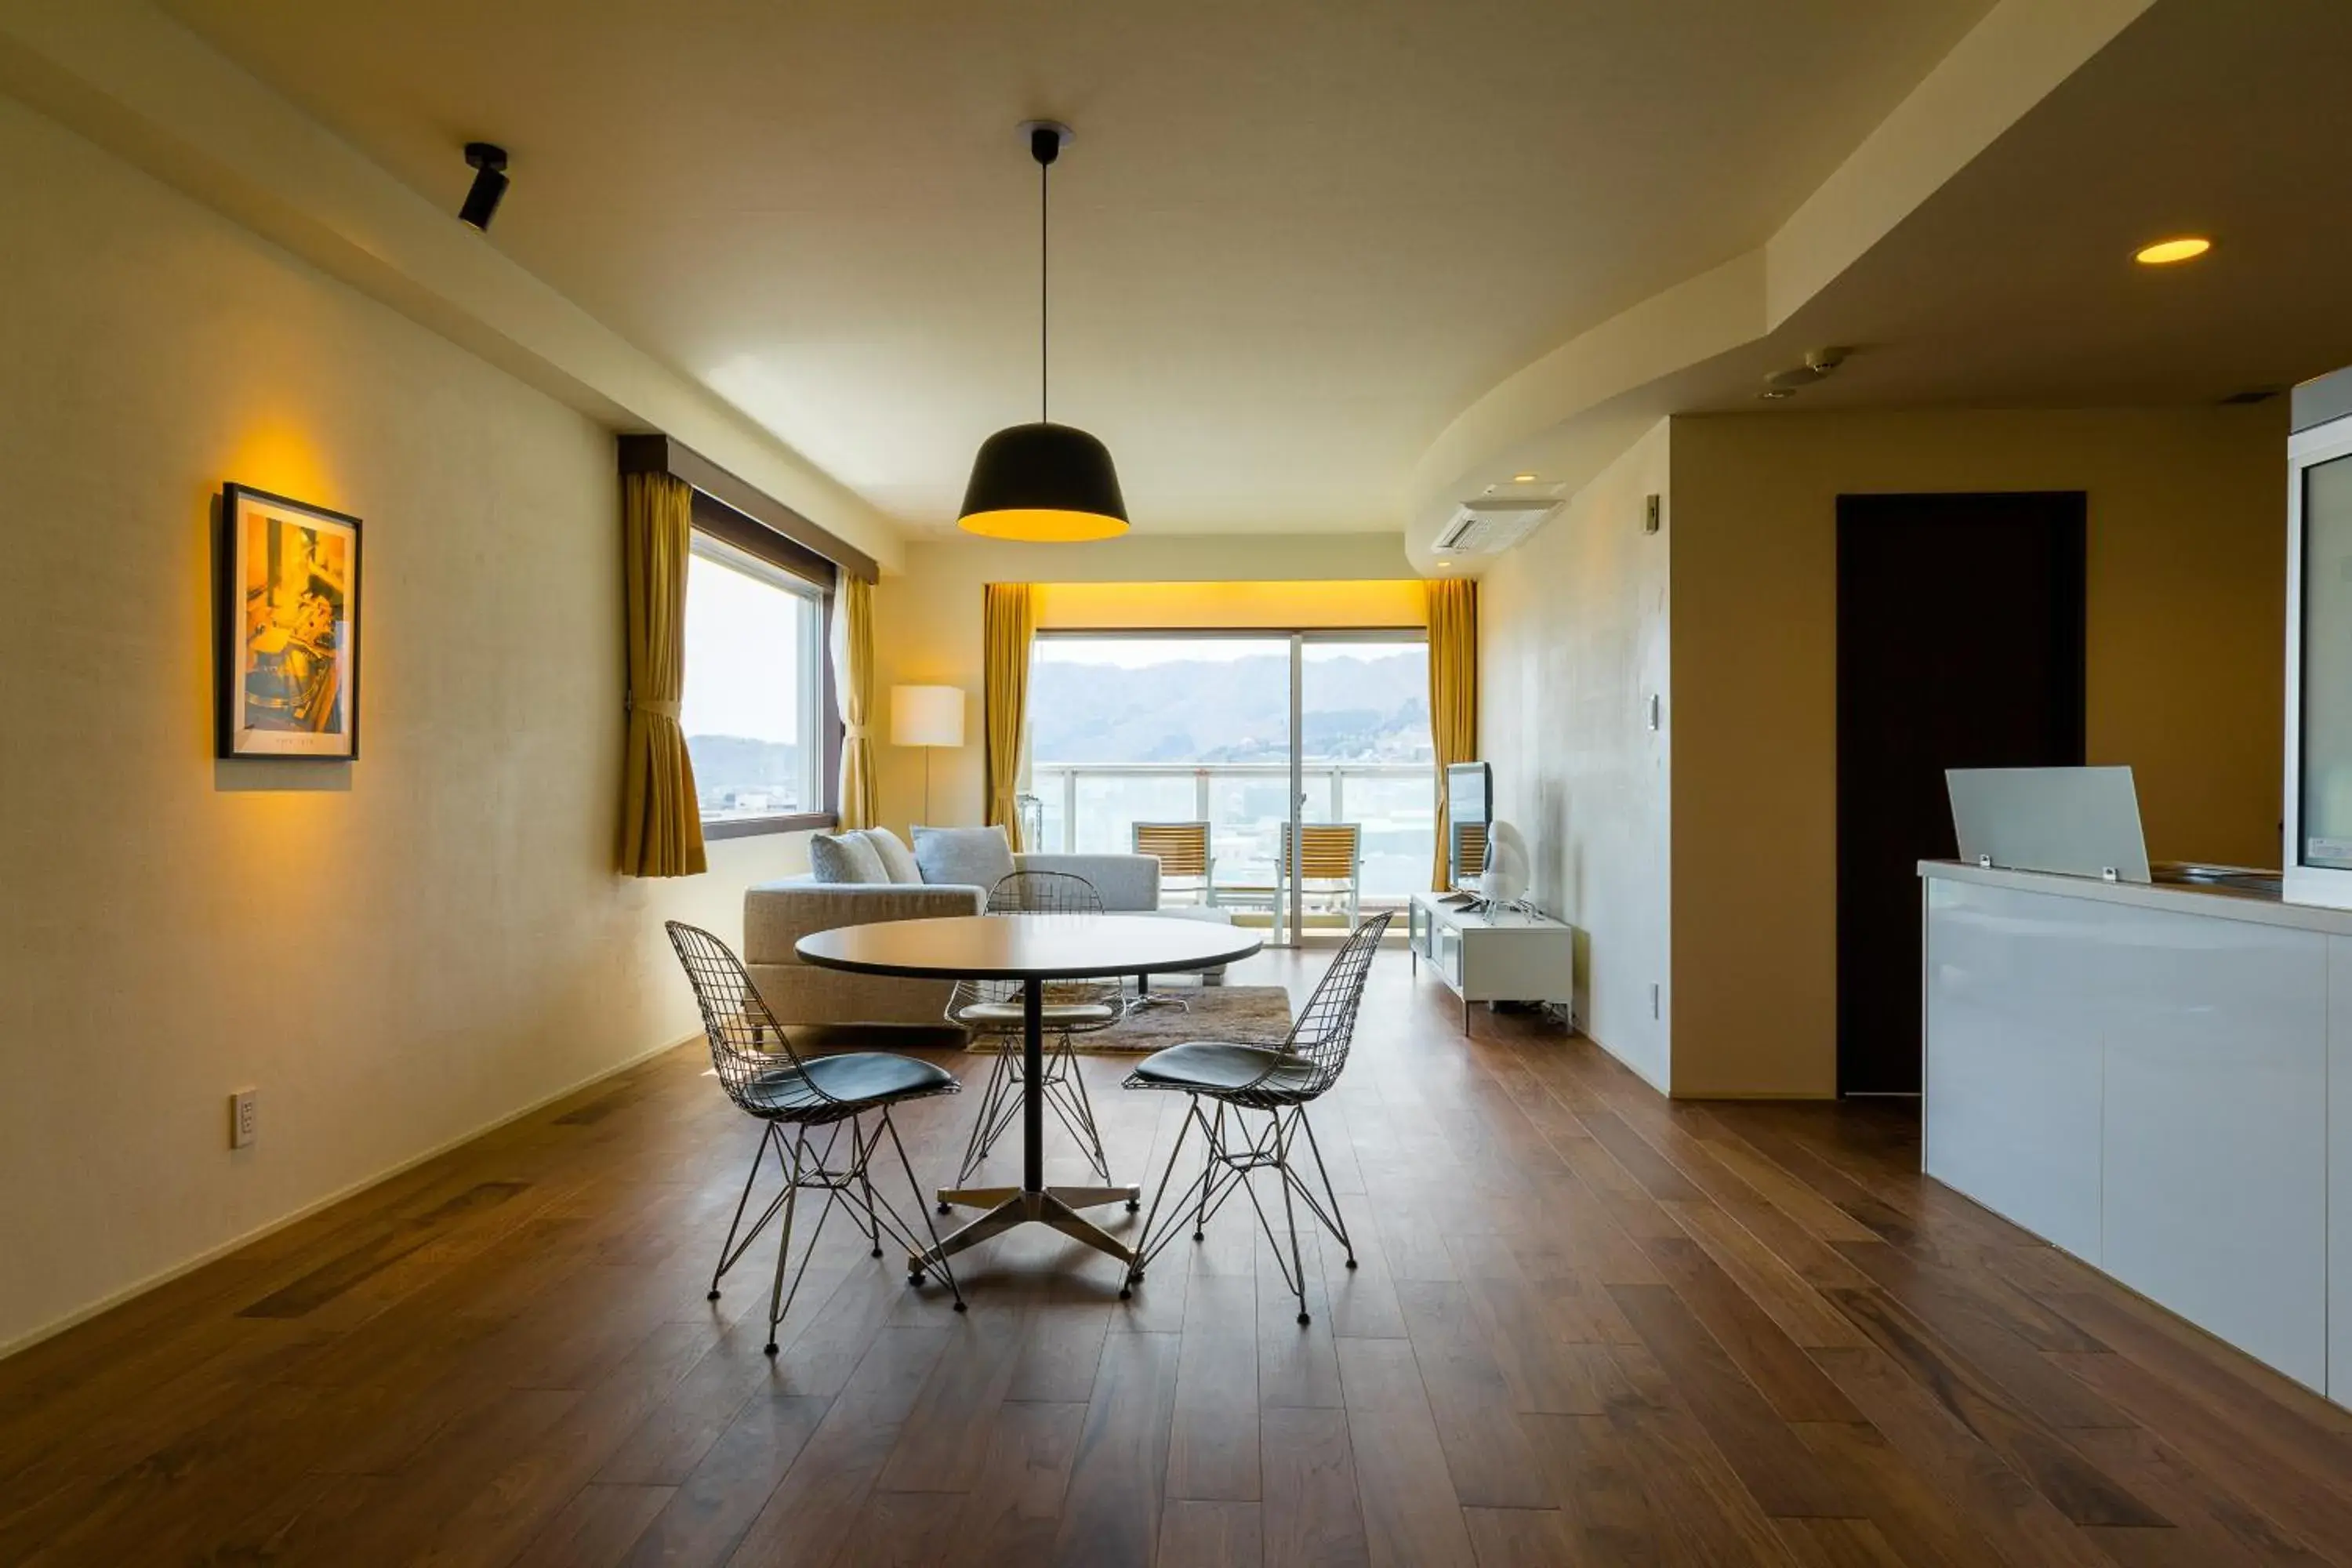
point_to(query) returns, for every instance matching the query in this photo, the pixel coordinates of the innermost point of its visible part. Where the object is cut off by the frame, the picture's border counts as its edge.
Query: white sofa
(777, 914)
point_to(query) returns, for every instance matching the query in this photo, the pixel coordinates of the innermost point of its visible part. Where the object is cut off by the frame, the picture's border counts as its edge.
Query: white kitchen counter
(2215, 903)
(2149, 1076)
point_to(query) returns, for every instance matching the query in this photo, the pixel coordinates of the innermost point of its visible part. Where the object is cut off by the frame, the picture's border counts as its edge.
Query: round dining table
(1033, 950)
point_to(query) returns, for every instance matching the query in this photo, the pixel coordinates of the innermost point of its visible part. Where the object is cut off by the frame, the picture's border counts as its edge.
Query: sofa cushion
(1195, 912)
(973, 857)
(898, 861)
(1128, 883)
(776, 915)
(845, 858)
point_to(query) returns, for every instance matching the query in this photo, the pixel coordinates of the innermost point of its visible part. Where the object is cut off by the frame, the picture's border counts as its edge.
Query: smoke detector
(1818, 365)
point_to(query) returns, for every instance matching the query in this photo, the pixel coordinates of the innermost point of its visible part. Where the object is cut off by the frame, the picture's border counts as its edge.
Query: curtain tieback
(853, 731)
(655, 707)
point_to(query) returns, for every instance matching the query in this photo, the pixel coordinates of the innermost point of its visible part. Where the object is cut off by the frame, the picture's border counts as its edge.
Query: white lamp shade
(927, 715)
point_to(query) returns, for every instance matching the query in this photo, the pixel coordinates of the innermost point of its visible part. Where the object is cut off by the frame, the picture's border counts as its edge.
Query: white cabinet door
(2012, 1058)
(2215, 1173)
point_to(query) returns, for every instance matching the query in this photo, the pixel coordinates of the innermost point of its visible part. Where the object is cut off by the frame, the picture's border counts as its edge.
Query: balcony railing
(1089, 808)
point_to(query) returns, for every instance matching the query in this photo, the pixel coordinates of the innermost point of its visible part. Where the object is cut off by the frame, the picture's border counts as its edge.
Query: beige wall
(2185, 604)
(927, 624)
(394, 953)
(1573, 641)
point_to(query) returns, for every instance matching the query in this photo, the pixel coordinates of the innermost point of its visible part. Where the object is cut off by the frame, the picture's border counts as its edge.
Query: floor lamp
(928, 717)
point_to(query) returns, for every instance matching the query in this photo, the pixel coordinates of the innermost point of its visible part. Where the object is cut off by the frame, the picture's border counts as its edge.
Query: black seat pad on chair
(856, 1077)
(1212, 1066)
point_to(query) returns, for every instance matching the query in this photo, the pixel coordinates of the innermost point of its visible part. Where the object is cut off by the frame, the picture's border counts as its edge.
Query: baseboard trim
(107, 1303)
(1752, 1096)
(1622, 1060)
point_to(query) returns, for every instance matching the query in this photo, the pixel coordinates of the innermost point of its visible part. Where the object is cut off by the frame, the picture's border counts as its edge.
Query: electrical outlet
(244, 1118)
(1650, 511)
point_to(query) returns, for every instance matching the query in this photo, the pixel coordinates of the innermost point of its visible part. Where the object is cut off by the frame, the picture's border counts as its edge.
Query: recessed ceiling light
(2169, 251)
(1523, 479)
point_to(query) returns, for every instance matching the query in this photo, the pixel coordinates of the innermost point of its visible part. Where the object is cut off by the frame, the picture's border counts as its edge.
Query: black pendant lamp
(1043, 482)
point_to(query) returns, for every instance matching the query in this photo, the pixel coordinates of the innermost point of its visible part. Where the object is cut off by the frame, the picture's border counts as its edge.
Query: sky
(743, 658)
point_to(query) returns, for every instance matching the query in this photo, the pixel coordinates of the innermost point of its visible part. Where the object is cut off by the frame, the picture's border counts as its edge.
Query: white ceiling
(2011, 283)
(1292, 242)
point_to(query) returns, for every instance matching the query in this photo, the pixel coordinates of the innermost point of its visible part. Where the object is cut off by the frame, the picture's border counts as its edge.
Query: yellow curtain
(661, 826)
(1009, 625)
(1453, 692)
(853, 678)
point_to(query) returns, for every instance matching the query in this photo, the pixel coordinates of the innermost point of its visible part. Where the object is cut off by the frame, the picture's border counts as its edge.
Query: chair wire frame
(1297, 1072)
(1183, 851)
(803, 1125)
(1062, 1087)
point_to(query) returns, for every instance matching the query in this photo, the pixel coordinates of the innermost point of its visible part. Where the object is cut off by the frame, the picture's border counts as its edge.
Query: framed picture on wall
(288, 629)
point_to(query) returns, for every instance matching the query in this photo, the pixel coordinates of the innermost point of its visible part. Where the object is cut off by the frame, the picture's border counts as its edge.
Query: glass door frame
(1295, 894)
(1288, 914)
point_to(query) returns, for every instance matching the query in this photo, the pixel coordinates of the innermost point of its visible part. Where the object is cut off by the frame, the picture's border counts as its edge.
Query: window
(755, 711)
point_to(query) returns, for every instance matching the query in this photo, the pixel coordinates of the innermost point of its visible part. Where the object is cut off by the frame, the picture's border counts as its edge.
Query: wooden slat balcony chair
(1185, 859)
(1329, 863)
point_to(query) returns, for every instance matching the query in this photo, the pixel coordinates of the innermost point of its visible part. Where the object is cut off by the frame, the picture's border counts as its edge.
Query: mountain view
(736, 777)
(1372, 708)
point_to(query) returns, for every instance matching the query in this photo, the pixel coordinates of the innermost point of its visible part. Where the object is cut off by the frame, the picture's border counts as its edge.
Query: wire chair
(817, 1098)
(1280, 1081)
(1072, 1007)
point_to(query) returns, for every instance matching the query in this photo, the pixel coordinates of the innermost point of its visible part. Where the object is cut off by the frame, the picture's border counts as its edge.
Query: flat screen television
(1470, 810)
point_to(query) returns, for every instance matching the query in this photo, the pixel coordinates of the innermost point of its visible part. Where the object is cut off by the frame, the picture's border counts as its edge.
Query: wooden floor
(1589, 1327)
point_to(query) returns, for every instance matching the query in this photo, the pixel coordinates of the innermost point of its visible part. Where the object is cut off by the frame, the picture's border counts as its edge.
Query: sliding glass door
(1316, 742)
(1368, 766)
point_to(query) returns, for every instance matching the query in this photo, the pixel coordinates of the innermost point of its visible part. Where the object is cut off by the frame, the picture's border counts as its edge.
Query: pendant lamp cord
(1045, 261)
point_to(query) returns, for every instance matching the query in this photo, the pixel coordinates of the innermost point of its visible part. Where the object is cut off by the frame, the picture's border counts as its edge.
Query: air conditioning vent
(1492, 525)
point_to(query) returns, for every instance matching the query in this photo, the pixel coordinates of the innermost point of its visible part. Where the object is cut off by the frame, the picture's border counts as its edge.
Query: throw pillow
(969, 857)
(898, 861)
(845, 858)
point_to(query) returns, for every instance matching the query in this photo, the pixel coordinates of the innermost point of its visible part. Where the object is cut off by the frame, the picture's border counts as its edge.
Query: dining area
(1043, 972)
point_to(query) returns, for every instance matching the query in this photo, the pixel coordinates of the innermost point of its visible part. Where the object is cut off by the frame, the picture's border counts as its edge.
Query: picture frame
(286, 628)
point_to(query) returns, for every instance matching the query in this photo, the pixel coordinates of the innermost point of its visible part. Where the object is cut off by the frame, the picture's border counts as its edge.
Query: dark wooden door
(1960, 645)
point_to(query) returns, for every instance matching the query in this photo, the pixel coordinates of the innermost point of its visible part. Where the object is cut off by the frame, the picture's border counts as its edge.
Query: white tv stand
(1491, 956)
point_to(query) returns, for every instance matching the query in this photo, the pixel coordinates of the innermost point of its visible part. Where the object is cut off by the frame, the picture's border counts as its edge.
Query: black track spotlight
(488, 161)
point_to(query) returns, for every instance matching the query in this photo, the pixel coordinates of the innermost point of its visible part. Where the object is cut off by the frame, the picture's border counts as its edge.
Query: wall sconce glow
(1523, 479)
(2165, 251)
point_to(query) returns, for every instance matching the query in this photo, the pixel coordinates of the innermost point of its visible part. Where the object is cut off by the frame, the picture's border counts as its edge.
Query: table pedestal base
(1009, 1206)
